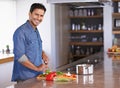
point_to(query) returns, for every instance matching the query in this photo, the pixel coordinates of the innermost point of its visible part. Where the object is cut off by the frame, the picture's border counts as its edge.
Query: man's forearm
(25, 61)
(29, 65)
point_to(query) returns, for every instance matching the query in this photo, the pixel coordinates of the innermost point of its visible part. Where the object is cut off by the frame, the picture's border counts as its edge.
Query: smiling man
(28, 53)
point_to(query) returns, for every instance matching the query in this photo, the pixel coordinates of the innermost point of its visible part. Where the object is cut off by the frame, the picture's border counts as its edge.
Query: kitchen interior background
(15, 13)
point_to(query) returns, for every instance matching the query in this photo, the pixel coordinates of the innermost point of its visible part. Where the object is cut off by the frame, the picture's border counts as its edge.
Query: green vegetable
(59, 73)
(62, 80)
(47, 71)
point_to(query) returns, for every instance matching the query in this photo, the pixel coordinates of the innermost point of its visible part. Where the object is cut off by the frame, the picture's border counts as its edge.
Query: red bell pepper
(50, 76)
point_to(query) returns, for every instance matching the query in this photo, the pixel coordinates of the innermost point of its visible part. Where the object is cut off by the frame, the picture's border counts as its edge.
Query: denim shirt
(27, 41)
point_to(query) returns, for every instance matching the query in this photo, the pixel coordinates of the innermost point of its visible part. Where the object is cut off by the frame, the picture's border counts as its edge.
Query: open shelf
(86, 31)
(87, 43)
(116, 15)
(95, 16)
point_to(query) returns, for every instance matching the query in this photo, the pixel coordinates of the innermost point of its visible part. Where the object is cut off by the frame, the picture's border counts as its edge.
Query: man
(29, 58)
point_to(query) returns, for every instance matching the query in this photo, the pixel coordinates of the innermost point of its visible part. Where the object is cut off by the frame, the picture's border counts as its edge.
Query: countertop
(106, 74)
(4, 58)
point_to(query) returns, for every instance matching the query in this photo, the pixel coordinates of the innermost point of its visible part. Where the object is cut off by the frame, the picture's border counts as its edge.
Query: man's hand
(42, 67)
(30, 65)
(45, 58)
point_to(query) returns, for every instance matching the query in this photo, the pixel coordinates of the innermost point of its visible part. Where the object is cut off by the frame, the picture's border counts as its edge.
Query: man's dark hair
(37, 6)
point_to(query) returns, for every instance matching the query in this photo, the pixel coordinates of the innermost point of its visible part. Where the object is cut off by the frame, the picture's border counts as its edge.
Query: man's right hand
(42, 67)
(30, 65)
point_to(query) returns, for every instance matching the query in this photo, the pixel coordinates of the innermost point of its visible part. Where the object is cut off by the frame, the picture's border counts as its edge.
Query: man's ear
(29, 14)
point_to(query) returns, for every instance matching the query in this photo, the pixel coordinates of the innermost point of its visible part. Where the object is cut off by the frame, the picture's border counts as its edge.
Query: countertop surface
(106, 74)
(4, 58)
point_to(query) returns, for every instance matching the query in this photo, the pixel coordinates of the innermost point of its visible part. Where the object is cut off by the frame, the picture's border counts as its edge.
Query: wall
(7, 27)
(107, 27)
(7, 22)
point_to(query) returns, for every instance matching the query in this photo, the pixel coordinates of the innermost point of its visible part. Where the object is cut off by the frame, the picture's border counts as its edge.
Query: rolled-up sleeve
(19, 44)
(22, 59)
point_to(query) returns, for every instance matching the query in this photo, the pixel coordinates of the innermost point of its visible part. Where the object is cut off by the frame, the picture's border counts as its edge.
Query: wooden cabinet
(86, 31)
(116, 22)
(116, 16)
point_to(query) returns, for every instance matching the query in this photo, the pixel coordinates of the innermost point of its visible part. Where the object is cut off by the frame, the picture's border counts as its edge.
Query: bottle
(115, 41)
(99, 27)
(70, 57)
(80, 12)
(91, 50)
(76, 12)
(78, 26)
(84, 12)
(7, 50)
(91, 27)
(83, 26)
(3, 51)
(77, 51)
(88, 27)
(92, 13)
(88, 12)
(87, 52)
(72, 49)
(70, 13)
(73, 26)
(68, 73)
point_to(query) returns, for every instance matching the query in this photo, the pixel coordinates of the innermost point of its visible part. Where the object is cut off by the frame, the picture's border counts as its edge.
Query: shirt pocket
(33, 44)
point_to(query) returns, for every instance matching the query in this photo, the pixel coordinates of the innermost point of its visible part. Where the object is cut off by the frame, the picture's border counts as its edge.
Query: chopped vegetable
(50, 76)
(59, 73)
(47, 71)
(62, 79)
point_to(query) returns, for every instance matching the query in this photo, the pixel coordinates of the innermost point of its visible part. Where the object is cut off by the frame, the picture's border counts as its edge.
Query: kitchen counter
(4, 58)
(106, 75)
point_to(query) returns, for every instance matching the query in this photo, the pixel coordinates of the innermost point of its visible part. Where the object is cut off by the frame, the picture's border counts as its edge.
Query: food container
(84, 69)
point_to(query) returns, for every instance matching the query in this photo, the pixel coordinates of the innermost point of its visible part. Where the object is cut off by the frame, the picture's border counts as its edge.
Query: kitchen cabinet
(86, 31)
(116, 22)
(6, 66)
(116, 16)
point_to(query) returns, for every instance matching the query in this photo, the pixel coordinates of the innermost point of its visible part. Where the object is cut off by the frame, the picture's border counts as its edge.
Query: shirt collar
(30, 26)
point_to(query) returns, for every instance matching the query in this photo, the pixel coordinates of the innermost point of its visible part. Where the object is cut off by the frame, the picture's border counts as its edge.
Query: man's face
(36, 17)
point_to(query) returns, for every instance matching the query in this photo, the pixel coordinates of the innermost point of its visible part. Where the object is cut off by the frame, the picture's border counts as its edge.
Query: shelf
(86, 31)
(86, 39)
(87, 43)
(116, 0)
(116, 14)
(116, 28)
(116, 32)
(79, 56)
(96, 16)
